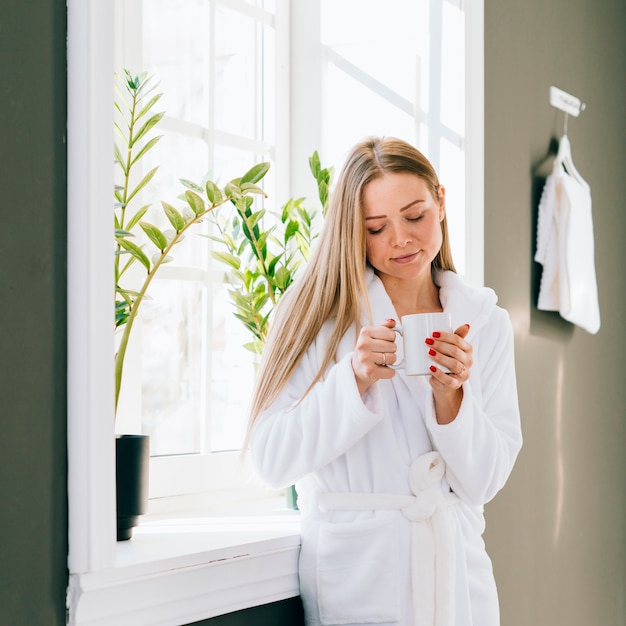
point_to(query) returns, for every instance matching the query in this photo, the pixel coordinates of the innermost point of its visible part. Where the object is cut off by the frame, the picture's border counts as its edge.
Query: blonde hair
(333, 286)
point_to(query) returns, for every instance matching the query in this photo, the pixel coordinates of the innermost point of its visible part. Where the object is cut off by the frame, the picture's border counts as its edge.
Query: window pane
(345, 123)
(453, 69)
(176, 41)
(232, 375)
(173, 371)
(236, 80)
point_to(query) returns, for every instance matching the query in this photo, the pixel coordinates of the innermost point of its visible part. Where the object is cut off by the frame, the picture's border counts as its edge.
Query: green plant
(263, 252)
(134, 102)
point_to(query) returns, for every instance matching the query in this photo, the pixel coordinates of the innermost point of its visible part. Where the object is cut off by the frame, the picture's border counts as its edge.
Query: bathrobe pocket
(357, 572)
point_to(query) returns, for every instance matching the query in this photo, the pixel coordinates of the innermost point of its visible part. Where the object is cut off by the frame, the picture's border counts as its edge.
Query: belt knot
(425, 475)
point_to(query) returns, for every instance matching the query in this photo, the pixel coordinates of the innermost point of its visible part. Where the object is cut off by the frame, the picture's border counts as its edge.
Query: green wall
(33, 523)
(557, 533)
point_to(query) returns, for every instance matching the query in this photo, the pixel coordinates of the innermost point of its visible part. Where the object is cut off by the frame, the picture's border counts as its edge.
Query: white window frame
(100, 569)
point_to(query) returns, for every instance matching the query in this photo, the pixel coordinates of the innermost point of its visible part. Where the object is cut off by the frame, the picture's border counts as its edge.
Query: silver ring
(384, 359)
(462, 371)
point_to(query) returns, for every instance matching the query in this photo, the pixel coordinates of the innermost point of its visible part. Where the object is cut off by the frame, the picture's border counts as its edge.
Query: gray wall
(552, 569)
(557, 533)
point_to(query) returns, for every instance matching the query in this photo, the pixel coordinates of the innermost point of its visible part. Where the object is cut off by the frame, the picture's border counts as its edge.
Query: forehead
(394, 190)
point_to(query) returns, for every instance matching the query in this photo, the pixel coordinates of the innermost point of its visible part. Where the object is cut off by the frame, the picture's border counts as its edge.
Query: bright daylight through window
(270, 80)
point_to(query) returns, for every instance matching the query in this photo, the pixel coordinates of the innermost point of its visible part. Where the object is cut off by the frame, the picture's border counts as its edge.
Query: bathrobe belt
(432, 541)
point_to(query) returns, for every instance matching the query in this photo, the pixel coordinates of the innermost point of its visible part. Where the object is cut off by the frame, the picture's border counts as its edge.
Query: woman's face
(403, 225)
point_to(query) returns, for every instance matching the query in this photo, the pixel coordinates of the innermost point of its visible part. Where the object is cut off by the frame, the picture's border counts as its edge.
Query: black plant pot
(132, 456)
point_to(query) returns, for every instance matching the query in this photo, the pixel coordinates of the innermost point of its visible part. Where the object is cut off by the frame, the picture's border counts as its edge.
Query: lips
(405, 259)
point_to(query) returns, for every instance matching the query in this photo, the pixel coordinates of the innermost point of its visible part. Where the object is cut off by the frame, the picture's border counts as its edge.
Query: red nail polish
(468, 326)
(390, 319)
(433, 368)
(432, 352)
(437, 334)
(430, 341)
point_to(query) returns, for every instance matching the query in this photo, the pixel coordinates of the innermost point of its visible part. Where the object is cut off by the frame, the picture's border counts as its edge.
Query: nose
(399, 236)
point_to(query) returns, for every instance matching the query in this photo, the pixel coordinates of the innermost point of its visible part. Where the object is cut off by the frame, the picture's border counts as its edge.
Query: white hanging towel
(565, 245)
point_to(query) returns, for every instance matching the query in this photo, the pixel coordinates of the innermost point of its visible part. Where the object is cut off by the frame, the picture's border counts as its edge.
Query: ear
(442, 202)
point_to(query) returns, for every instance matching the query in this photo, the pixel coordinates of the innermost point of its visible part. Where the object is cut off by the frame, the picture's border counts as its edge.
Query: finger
(389, 323)
(444, 381)
(456, 357)
(462, 331)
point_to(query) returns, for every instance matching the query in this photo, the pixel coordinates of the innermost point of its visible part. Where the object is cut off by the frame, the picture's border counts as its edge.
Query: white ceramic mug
(413, 355)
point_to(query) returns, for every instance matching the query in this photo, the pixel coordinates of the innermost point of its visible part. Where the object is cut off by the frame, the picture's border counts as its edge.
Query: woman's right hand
(375, 349)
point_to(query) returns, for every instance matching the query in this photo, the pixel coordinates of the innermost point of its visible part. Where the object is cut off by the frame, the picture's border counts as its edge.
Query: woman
(392, 471)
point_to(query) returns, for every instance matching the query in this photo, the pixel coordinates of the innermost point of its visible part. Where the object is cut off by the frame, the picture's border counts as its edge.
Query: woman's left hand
(449, 350)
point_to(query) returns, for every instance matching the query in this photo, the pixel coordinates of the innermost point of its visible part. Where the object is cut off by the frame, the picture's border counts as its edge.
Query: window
(317, 70)
(221, 81)
(265, 80)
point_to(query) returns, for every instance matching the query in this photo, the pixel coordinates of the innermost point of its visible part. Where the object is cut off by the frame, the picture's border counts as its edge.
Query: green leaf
(228, 259)
(175, 218)
(144, 181)
(286, 210)
(135, 219)
(252, 188)
(121, 133)
(314, 164)
(263, 238)
(260, 302)
(119, 157)
(255, 218)
(254, 346)
(282, 278)
(291, 229)
(148, 106)
(232, 189)
(136, 251)
(191, 185)
(214, 193)
(255, 173)
(150, 123)
(271, 266)
(195, 202)
(145, 149)
(155, 235)
(128, 294)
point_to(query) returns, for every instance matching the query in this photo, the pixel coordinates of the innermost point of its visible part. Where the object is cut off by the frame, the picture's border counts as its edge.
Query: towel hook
(567, 103)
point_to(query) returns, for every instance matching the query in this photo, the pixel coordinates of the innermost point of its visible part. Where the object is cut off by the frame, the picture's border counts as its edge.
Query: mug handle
(399, 365)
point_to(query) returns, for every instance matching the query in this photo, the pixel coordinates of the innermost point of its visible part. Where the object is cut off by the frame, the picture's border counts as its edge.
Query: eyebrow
(404, 208)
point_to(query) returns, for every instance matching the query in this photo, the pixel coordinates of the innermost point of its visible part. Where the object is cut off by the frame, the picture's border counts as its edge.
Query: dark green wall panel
(33, 523)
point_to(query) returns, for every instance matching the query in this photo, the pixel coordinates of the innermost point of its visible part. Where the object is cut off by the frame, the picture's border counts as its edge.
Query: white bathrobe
(565, 245)
(361, 565)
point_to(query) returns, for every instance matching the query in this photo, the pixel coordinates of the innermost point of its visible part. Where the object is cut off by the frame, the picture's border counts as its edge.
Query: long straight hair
(333, 285)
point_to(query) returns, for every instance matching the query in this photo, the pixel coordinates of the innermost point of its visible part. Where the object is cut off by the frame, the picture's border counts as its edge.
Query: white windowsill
(181, 569)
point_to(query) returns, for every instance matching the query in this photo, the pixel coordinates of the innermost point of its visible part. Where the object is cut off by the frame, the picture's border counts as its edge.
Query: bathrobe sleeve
(297, 436)
(481, 445)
